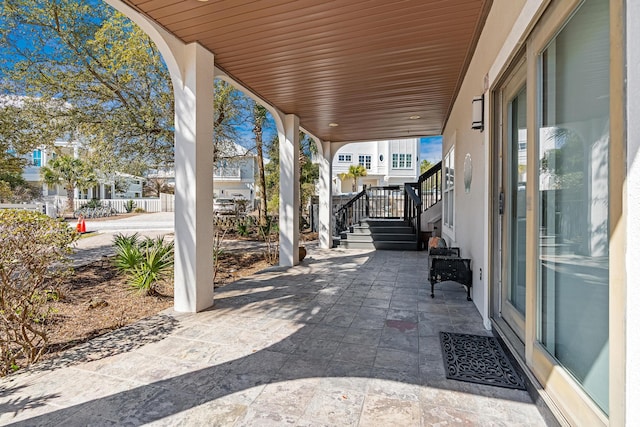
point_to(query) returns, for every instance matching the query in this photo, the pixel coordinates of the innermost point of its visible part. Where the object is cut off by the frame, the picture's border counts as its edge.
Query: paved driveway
(158, 221)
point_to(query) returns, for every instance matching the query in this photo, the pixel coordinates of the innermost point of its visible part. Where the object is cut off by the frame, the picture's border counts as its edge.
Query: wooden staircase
(388, 217)
(390, 234)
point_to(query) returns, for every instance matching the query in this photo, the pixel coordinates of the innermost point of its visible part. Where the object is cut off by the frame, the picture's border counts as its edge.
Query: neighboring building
(233, 177)
(118, 186)
(391, 162)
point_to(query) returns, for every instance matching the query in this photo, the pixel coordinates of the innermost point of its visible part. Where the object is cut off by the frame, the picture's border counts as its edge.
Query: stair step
(359, 229)
(384, 237)
(384, 223)
(384, 245)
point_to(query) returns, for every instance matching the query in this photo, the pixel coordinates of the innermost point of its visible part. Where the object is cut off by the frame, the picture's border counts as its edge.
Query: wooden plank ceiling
(367, 65)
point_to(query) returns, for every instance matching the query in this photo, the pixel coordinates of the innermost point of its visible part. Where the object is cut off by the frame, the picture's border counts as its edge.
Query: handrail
(351, 212)
(411, 191)
(430, 186)
(393, 201)
(413, 209)
(386, 202)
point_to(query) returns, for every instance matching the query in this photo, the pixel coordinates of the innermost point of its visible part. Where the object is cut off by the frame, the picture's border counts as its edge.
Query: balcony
(227, 174)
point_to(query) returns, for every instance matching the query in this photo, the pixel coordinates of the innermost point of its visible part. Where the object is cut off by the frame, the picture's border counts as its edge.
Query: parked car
(224, 207)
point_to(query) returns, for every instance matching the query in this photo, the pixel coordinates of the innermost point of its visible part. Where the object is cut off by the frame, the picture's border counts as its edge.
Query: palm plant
(355, 172)
(145, 262)
(128, 253)
(71, 173)
(156, 264)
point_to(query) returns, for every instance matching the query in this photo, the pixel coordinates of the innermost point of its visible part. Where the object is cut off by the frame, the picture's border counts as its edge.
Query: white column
(194, 184)
(325, 214)
(289, 190)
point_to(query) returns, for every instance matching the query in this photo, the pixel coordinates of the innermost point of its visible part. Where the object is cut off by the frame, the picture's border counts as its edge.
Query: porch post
(325, 214)
(289, 190)
(194, 181)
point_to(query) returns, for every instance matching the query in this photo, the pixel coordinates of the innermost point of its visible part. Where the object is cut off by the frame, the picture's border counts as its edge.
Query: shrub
(243, 229)
(145, 262)
(34, 261)
(92, 204)
(218, 238)
(156, 264)
(268, 233)
(128, 253)
(139, 210)
(129, 206)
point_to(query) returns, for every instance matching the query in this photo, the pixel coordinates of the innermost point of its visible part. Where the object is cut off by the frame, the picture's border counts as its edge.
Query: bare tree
(259, 117)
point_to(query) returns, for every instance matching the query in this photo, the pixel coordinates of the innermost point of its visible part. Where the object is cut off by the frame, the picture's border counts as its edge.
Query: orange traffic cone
(81, 227)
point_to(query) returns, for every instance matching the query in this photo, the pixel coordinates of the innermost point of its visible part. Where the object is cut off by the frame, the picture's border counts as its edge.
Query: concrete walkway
(345, 339)
(157, 221)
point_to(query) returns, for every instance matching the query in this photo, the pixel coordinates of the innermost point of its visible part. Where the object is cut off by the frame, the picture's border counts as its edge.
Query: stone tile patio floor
(346, 338)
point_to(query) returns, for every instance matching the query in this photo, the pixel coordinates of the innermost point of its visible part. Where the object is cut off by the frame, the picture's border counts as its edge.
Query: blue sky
(431, 148)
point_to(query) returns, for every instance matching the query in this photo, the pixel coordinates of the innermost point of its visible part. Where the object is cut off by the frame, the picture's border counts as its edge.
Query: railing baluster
(393, 201)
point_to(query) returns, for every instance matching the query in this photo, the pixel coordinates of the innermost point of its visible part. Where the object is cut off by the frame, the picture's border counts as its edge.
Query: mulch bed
(97, 299)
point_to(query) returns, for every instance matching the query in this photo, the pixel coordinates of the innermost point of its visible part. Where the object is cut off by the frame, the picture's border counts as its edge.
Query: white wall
(471, 213)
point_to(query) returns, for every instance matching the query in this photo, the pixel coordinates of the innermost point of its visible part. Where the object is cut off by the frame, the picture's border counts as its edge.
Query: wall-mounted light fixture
(477, 115)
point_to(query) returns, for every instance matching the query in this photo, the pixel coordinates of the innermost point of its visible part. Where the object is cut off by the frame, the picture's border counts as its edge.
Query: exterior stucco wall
(471, 216)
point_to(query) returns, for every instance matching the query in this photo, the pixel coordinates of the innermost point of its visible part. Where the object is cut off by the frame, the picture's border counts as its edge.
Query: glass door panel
(517, 233)
(513, 188)
(573, 199)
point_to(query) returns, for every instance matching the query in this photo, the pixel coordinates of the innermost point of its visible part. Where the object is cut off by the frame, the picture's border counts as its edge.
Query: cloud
(431, 148)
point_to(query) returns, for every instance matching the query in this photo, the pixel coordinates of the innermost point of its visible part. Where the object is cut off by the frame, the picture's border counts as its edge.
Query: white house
(389, 162)
(108, 187)
(233, 177)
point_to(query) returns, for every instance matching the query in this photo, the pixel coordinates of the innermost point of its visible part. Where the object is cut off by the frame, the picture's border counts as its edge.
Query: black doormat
(478, 359)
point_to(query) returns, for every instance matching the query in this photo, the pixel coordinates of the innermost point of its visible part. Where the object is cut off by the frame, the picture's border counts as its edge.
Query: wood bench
(445, 264)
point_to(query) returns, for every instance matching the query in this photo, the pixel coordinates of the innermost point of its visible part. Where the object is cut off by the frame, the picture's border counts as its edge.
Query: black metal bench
(445, 264)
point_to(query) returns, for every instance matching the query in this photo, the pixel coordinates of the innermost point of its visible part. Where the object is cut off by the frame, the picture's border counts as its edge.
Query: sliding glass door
(513, 186)
(573, 199)
(551, 174)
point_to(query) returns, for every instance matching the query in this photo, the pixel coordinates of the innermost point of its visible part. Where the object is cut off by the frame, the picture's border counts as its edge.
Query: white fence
(30, 207)
(149, 205)
(167, 202)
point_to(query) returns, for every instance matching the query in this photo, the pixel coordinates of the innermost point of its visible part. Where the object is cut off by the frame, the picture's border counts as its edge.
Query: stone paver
(346, 338)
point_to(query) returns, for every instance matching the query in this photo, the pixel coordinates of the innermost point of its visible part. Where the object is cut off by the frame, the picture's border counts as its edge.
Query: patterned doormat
(478, 359)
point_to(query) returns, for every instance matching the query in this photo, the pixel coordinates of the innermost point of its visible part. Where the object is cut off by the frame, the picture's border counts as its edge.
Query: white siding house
(105, 189)
(233, 177)
(390, 162)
